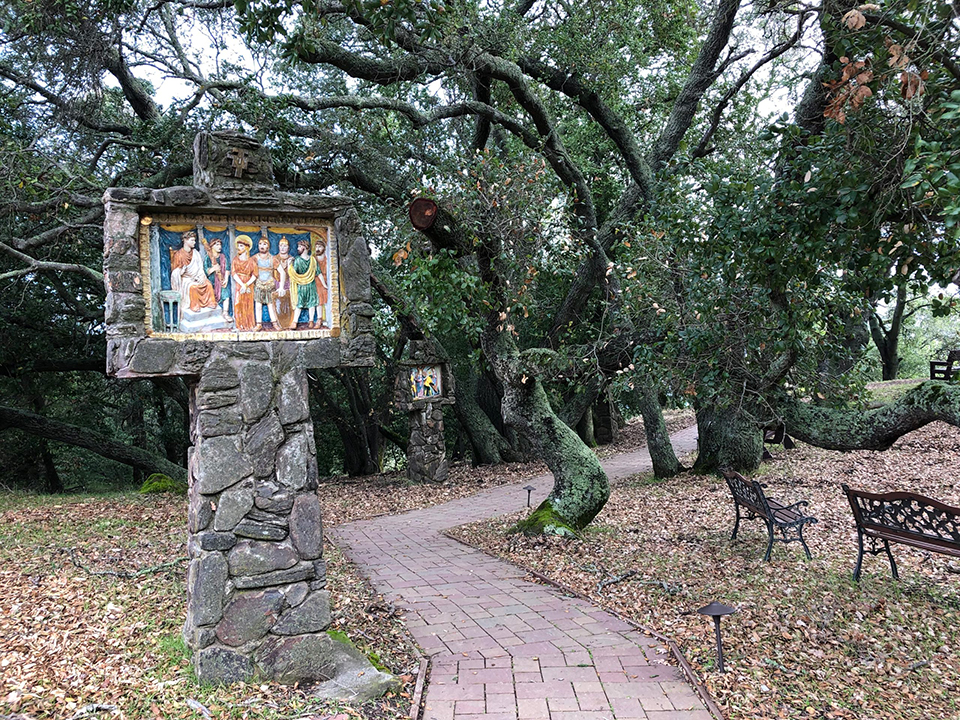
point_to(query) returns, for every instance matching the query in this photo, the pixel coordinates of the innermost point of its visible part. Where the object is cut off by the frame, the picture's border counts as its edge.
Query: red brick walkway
(503, 648)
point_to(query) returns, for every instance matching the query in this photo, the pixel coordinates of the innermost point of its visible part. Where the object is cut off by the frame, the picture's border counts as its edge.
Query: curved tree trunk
(95, 442)
(878, 429)
(488, 446)
(729, 438)
(664, 459)
(580, 487)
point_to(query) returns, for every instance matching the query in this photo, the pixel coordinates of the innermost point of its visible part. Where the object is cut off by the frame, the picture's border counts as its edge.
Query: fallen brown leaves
(75, 644)
(347, 499)
(806, 641)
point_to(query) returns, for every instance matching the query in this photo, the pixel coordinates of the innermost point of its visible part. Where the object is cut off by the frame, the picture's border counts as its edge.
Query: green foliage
(160, 483)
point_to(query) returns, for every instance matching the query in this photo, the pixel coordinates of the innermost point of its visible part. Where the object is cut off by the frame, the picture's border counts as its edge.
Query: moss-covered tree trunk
(729, 438)
(580, 486)
(664, 459)
(878, 429)
(488, 446)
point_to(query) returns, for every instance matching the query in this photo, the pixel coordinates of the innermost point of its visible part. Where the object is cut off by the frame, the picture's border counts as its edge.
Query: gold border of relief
(148, 220)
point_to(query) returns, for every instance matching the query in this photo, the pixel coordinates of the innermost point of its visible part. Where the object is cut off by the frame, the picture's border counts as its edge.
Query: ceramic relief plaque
(221, 277)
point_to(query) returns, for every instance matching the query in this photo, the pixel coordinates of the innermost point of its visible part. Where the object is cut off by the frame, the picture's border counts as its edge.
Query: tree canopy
(652, 200)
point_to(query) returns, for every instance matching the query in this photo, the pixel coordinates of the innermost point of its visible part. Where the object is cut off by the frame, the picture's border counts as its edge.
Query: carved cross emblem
(239, 161)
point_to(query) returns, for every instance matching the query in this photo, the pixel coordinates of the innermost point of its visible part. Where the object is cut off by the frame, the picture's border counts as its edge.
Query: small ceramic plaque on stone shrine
(241, 289)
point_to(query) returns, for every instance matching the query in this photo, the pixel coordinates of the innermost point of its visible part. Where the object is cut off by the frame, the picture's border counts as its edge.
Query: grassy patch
(884, 393)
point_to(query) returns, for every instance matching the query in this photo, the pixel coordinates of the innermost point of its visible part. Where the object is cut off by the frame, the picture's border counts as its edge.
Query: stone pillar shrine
(425, 385)
(241, 289)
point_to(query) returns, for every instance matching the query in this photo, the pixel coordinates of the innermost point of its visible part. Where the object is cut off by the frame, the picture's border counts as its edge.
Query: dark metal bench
(903, 517)
(946, 369)
(788, 519)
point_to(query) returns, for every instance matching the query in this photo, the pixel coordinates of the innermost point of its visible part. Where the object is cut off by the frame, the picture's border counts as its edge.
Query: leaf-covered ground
(806, 642)
(347, 499)
(78, 644)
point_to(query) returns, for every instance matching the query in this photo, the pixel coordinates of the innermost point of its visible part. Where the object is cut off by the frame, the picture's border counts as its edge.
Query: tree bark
(878, 429)
(487, 445)
(102, 445)
(729, 438)
(887, 339)
(52, 482)
(580, 487)
(664, 459)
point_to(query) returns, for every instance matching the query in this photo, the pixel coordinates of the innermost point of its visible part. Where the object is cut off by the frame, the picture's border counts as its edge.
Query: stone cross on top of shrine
(241, 289)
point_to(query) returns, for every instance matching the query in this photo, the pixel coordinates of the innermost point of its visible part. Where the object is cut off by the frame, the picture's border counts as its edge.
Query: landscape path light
(716, 611)
(529, 489)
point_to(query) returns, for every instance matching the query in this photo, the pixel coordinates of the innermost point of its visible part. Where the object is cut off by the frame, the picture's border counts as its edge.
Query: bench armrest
(796, 506)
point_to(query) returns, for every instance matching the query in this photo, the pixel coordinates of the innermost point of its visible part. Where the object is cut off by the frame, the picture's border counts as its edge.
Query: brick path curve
(503, 648)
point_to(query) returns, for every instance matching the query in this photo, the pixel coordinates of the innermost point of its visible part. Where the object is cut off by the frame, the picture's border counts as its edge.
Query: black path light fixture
(716, 611)
(529, 489)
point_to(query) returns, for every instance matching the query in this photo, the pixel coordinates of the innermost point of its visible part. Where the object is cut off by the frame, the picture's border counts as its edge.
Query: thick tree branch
(134, 89)
(941, 56)
(34, 265)
(77, 436)
(840, 429)
(65, 106)
(382, 72)
(571, 85)
(703, 146)
(49, 236)
(702, 76)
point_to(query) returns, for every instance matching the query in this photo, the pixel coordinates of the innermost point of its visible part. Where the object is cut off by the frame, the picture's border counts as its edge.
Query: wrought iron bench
(788, 519)
(946, 369)
(902, 517)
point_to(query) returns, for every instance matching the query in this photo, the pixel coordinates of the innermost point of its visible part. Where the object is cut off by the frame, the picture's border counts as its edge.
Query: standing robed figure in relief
(281, 270)
(303, 289)
(244, 276)
(215, 266)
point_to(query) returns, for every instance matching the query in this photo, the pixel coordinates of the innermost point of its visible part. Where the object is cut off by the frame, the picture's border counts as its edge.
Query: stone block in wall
(260, 445)
(260, 530)
(292, 462)
(301, 571)
(249, 616)
(220, 464)
(254, 557)
(206, 578)
(306, 528)
(312, 615)
(256, 391)
(217, 664)
(219, 374)
(220, 421)
(232, 505)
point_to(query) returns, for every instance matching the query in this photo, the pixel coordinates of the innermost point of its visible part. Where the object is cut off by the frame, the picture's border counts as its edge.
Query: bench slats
(904, 517)
(788, 519)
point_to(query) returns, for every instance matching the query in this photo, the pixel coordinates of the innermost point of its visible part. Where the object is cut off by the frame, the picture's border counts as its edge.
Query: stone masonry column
(426, 451)
(424, 385)
(255, 590)
(257, 606)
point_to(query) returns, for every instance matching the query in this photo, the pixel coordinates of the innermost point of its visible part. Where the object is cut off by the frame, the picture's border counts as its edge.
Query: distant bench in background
(945, 369)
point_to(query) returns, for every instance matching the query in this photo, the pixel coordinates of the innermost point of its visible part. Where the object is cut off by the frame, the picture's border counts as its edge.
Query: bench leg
(804, 543)
(856, 570)
(736, 525)
(769, 541)
(893, 565)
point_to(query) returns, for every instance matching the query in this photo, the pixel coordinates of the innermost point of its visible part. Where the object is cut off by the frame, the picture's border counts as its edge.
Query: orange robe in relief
(193, 284)
(243, 311)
